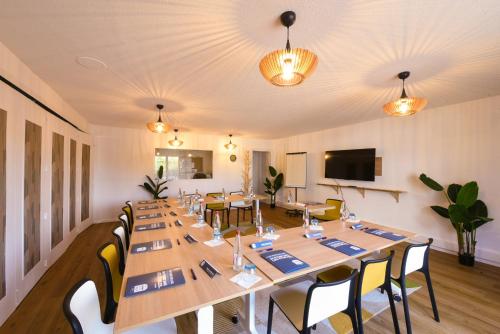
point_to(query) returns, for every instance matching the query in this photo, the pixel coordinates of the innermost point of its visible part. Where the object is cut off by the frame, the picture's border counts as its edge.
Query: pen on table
(193, 274)
(178, 242)
(322, 238)
(169, 224)
(265, 250)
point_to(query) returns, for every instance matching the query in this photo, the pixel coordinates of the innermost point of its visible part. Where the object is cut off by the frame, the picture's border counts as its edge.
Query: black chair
(416, 258)
(241, 205)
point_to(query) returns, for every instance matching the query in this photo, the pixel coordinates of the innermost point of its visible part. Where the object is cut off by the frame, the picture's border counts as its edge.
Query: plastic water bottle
(179, 197)
(224, 193)
(216, 227)
(305, 217)
(259, 224)
(237, 253)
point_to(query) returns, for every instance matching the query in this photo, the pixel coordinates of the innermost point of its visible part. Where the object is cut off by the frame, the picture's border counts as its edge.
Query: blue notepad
(386, 235)
(149, 227)
(149, 207)
(343, 247)
(283, 261)
(150, 246)
(168, 278)
(149, 216)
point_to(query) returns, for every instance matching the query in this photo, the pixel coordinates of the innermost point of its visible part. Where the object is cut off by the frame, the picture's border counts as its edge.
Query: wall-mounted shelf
(395, 193)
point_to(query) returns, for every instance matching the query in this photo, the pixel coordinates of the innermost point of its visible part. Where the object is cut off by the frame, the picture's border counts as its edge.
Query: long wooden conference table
(201, 294)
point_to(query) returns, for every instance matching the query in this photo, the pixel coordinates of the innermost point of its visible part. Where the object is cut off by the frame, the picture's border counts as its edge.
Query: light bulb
(287, 68)
(403, 106)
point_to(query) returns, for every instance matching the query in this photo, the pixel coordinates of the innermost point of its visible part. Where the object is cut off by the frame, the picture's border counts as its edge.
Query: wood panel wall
(3, 189)
(85, 202)
(32, 183)
(57, 198)
(72, 184)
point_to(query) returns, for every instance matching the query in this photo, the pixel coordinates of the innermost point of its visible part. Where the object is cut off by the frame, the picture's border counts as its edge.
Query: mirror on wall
(184, 164)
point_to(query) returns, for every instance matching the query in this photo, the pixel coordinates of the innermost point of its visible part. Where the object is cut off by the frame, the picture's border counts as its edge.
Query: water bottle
(224, 193)
(259, 224)
(305, 217)
(179, 197)
(289, 197)
(191, 206)
(197, 195)
(216, 227)
(237, 253)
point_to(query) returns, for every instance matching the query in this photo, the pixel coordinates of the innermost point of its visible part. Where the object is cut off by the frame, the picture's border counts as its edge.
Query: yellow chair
(128, 211)
(216, 207)
(331, 214)
(373, 274)
(111, 262)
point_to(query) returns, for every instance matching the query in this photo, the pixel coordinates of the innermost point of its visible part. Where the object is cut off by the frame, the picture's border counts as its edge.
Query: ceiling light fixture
(405, 106)
(230, 145)
(159, 126)
(288, 67)
(175, 142)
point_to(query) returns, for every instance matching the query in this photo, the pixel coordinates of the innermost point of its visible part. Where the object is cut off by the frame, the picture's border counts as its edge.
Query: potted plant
(465, 212)
(155, 187)
(273, 187)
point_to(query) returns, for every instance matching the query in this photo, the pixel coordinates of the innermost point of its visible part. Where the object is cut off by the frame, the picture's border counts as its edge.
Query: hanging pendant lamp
(230, 145)
(175, 142)
(288, 67)
(405, 106)
(159, 126)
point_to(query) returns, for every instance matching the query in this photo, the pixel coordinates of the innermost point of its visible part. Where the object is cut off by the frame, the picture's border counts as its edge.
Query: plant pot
(466, 260)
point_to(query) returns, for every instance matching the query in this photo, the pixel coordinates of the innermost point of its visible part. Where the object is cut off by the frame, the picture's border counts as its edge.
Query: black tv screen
(350, 164)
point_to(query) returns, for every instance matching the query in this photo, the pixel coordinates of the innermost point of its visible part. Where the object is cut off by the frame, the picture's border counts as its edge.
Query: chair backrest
(81, 308)
(128, 212)
(111, 263)
(374, 273)
(416, 257)
(239, 203)
(124, 220)
(121, 236)
(326, 299)
(214, 206)
(334, 213)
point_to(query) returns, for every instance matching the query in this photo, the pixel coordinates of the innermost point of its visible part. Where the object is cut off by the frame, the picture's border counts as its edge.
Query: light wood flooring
(468, 298)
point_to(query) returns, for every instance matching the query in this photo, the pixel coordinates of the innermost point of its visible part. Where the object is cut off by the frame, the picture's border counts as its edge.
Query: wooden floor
(468, 298)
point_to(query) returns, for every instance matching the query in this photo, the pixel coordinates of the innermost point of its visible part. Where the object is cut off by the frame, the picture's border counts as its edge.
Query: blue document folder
(149, 216)
(343, 247)
(149, 227)
(283, 261)
(156, 281)
(386, 235)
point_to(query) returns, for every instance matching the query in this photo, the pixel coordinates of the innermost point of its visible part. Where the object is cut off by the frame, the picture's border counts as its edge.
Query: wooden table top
(312, 207)
(158, 305)
(312, 252)
(233, 198)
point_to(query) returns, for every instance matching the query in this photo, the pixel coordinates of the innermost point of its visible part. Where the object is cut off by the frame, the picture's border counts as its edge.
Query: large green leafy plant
(465, 211)
(273, 186)
(155, 187)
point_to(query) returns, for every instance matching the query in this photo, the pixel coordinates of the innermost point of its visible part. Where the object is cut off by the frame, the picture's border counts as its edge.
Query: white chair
(126, 224)
(305, 304)
(416, 258)
(82, 309)
(121, 238)
(241, 205)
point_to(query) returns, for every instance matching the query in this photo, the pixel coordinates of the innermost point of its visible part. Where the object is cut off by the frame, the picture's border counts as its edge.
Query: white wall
(19, 109)
(456, 143)
(123, 156)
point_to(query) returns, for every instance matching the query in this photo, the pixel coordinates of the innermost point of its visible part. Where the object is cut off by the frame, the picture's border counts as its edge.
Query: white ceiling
(202, 57)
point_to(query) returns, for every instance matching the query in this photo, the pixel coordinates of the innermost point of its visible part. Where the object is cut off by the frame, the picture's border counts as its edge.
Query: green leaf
(467, 195)
(443, 212)
(160, 172)
(459, 214)
(478, 209)
(151, 182)
(268, 192)
(272, 171)
(148, 187)
(430, 183)
(278, 182)
(453, 190)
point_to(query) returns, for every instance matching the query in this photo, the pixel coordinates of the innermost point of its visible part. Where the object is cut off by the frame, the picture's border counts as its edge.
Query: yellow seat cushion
(110, 254)
(335, 274)
(215, 206)
(331, 214)
(374, 276)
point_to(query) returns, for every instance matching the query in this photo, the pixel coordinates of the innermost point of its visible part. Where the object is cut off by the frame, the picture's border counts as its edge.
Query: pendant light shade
(405, 106)
(288, 67)
(230, 145)
(175, 142)
(159, 126)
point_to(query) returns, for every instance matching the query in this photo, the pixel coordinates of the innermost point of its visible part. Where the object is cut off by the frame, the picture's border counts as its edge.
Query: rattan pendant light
(405, 106)
(288, 67)
(159, 126)
(175, 142)
(230, 145)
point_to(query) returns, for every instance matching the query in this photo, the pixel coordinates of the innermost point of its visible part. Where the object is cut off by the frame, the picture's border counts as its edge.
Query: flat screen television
(350, 164)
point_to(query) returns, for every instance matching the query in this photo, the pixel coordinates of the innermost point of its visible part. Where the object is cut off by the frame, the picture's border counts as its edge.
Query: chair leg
(387, 287)
(406, 308)
(352, 314)
(238, 217)
(431, 293)
(251, 215)
(228, 224)
(243, 213)
(359, 315)
(270, 316)
(212, 218)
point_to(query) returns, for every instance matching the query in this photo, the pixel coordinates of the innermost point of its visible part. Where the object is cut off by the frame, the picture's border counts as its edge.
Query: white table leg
(249, 316)
(205, 320)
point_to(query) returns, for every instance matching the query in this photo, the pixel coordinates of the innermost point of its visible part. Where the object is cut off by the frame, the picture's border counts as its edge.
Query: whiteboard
(296, 170)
